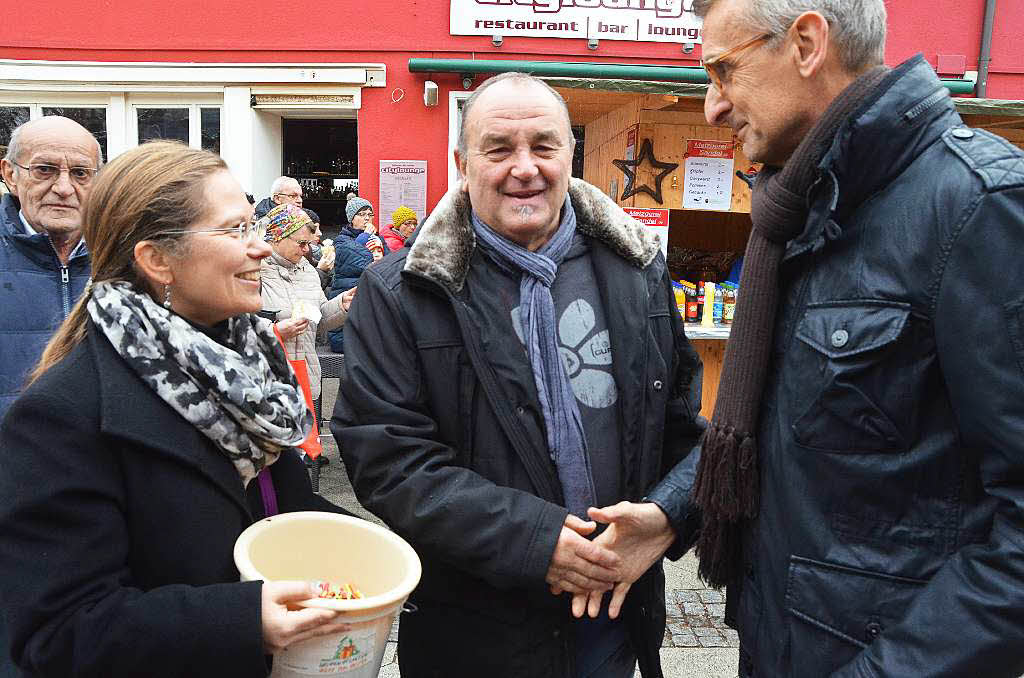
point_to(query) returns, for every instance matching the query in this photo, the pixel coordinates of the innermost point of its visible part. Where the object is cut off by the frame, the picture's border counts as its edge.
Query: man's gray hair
(282, 183)
(858, 26)
(520, 79)
(14, 146)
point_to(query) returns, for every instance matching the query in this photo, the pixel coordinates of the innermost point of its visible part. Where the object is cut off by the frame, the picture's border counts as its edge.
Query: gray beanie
(354, 205)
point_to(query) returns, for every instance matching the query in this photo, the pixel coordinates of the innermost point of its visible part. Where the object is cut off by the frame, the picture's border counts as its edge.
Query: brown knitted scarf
(726, 488)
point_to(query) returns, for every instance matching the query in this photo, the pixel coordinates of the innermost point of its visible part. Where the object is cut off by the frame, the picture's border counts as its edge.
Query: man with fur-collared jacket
(536, 368)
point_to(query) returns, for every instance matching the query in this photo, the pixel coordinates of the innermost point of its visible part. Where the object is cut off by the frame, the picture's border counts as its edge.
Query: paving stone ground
(697, 642)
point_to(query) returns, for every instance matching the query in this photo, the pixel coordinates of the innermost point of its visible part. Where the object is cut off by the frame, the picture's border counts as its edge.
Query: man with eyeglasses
(861, 484)
(284, 191)
(44, 265)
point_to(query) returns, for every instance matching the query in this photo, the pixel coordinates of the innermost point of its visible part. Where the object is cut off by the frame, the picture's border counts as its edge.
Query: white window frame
(195, 102)
(455, 103)
(35, 102)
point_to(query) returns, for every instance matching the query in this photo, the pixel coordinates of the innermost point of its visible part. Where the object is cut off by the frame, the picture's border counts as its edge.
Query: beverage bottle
(700, 300)
(719, 302)
(690, 315)
(729, 305)
(679, 290)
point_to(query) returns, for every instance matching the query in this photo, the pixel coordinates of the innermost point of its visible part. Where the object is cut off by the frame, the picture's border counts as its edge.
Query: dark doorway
(324, 156)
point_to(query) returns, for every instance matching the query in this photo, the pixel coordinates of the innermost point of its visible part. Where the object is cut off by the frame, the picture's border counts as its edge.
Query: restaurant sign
(639, 20)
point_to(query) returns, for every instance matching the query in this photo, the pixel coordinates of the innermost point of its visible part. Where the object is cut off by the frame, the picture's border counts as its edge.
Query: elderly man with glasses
(44, 265)
(284, 191)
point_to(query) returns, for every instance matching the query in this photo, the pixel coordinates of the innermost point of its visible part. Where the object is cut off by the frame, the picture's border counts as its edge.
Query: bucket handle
(408, 608)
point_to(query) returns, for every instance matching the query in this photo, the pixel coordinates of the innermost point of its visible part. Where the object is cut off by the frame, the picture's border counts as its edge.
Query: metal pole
(986, 49)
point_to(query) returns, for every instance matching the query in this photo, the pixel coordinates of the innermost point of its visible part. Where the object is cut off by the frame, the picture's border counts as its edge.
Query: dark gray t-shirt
(587, 355)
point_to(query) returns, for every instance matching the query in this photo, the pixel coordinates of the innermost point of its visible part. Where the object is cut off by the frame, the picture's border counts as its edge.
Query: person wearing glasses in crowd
(355, 248)
(291, 287)
(284, 191)
(44, 264)
(403, 222)
(172, 413)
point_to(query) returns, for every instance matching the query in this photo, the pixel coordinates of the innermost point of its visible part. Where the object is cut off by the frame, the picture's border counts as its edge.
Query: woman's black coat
(117, 524)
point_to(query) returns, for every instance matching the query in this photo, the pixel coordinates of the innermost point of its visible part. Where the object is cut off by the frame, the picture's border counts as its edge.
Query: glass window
(10, 118)
(92, 119)
(209, 119)
(163, 123)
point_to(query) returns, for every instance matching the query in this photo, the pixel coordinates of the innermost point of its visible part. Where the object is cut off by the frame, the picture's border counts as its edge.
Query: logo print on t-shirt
(587, 354)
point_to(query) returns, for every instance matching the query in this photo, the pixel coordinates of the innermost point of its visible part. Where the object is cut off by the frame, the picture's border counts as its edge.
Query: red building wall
(311, 31)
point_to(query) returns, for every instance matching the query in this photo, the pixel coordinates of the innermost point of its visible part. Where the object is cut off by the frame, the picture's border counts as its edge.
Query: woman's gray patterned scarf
(243, 395)
(567, 441)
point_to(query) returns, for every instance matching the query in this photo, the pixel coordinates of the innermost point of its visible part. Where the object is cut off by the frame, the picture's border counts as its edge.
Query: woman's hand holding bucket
(283, 626)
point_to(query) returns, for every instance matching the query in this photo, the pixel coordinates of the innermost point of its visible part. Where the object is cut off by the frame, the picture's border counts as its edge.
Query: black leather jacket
(890, 540)
(443, 438)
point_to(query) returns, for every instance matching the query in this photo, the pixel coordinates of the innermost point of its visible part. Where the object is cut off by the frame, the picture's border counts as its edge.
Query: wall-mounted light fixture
(430, 93)
(592, 43)
(496, 40)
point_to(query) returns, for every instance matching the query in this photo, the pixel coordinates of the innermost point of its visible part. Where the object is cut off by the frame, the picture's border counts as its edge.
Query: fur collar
(445, 242)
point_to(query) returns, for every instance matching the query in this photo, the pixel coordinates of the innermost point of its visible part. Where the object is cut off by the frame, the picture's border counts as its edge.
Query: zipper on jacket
(65, 289)
(541, 475)
(65, 280)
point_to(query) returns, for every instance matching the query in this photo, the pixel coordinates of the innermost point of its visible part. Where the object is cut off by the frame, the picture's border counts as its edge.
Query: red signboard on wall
(648, 217)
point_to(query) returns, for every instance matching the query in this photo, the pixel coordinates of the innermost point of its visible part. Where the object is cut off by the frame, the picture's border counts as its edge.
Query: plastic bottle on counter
(719, 302)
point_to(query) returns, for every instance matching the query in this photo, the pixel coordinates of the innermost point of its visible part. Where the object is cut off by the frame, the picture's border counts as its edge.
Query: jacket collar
(276, 259)
(130, 410)
(443, 246)
(909, 112)
(11, 226)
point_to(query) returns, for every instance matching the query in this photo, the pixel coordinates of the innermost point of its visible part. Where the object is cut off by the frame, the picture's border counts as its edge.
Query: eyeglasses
(301, 243)
(246, 231)
(367, 214)
(43, 172)
(712, 65)
(293, 196)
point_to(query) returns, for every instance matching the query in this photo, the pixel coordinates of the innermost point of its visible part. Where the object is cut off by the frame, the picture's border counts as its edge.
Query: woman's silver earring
(167, 297)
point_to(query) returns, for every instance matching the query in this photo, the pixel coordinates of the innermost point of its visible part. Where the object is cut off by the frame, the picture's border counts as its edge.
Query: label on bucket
(330, 655)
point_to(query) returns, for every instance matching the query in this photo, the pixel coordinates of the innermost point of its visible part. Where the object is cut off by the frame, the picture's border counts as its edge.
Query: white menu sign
(707, 183)
(402, 182)
(644, 20)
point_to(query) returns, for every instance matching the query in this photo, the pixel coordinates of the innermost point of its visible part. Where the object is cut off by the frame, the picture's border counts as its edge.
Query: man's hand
(292, 327)
(639, 534)
(346, 298)
(579, 565)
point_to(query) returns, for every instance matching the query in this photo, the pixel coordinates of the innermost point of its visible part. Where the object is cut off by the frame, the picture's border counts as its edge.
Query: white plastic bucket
(315, 546)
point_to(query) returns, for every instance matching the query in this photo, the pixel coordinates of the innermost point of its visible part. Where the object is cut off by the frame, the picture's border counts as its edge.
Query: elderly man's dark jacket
(36, 294)
(443, 438)
(890, 540)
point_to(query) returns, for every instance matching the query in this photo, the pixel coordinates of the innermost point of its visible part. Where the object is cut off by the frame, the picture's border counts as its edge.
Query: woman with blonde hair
(159, 424)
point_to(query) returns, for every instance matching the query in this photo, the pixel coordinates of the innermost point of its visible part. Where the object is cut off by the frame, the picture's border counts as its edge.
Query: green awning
(595, 72)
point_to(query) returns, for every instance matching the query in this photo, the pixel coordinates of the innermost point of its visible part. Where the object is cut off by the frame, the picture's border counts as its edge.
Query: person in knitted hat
(292, 287)
(284, 220)
(356, 247)
(403, 222)
(357, 207)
